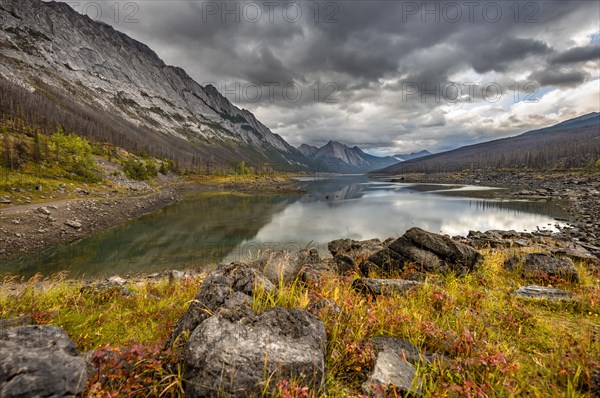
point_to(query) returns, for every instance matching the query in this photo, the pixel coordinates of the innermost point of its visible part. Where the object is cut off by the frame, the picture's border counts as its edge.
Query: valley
(378, 238)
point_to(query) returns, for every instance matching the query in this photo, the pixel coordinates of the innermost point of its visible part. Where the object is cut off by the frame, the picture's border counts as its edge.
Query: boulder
(229, 285)
(355, 249)
(238, 354)
(39, 361)
(540, 292)
(378, 287)
(577, 253)
(427, 252)
(392, 375)
(344, 264)
(543, 265)
(405, 350)
(284, 266)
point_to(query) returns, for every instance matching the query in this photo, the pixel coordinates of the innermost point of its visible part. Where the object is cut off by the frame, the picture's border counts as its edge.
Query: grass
(496, 345)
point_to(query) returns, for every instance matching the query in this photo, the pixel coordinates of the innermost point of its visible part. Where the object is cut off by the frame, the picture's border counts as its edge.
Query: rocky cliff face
(49, 45)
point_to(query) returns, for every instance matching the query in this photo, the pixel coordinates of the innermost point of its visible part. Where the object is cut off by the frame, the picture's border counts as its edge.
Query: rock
(392, 374)
(43, 210)
(39, 187)
(175, 275)
(595, 383)
(229, 285)
(577, 253)
(344, 264)
(405, 350)
(4, 200)
(81, 191)
(540, 292)
(543, 265)
(377, 287)
(428, 252)
(354, 248)
(73, 224)
(114, 284)
(117, 280)
(39, 361)
(285, 266)
(23, 320)
(312, 274)
(234, 353)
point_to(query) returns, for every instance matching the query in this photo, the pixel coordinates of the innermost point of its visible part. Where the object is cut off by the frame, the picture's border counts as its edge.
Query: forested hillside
(571, 144)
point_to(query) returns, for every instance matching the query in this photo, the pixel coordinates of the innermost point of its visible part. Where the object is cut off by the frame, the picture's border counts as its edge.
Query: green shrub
(151, 170)
(135, 170)
(74, 154)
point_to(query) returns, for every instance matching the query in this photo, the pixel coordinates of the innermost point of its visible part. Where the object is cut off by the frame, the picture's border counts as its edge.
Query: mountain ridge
(49, 47)
(572, 143)
(412, 155)
(338, 157)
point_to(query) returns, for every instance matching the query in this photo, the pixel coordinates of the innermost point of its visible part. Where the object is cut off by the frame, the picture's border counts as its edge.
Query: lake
(208, 228)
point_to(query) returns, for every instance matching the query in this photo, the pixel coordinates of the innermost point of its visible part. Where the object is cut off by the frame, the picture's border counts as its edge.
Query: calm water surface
(208, 228)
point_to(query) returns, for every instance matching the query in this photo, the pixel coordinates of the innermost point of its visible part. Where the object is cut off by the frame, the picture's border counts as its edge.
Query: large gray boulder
(39, 361)
(226, 287)
(543, 265)
(237, 354)
(426, 251)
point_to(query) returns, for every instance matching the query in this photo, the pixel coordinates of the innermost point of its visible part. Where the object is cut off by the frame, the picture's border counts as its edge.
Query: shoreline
(30, 227)
(580, 190)
(37, 226)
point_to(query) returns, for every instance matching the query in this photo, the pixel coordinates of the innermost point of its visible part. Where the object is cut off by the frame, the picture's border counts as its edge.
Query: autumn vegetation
(490, 343)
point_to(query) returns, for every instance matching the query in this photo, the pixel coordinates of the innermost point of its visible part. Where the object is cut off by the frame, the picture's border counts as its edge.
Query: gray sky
(388, 76)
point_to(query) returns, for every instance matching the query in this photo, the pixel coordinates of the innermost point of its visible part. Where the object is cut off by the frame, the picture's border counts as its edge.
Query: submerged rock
(39, 361)
(237, 354)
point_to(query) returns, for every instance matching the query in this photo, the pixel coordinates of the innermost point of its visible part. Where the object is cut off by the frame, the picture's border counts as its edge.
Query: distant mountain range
(335, 156)
(572, 143)
(413, 155)
(60, 67)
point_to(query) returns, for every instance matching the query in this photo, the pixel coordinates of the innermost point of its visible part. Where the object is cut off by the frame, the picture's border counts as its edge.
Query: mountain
(60, 67)
(337, 157)
(413, 155)
(308, 150)
(572, 143)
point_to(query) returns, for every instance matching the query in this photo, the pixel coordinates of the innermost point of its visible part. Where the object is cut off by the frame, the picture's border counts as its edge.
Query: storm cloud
(388, 76)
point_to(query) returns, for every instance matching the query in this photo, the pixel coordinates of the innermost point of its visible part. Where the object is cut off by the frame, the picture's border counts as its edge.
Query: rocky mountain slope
(570, 144)
(413, 155)
(124, 91)
(338, 157)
